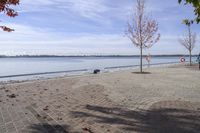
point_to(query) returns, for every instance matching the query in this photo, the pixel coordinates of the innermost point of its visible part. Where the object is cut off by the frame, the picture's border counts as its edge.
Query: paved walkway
(43, 107)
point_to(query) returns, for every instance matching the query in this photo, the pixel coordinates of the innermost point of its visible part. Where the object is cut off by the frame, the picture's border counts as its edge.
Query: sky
(91, 27)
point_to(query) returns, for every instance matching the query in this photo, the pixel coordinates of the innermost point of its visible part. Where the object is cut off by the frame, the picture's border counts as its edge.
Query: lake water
(30, 65)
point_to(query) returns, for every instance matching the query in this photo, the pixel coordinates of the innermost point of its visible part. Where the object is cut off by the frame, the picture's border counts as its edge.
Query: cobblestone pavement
(70, 106)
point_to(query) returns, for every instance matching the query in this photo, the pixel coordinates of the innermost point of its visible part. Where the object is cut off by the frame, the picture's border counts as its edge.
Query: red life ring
(182, 59)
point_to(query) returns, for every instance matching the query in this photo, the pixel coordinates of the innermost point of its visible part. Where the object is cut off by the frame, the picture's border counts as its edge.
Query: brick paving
(45, 110)
(43, 107)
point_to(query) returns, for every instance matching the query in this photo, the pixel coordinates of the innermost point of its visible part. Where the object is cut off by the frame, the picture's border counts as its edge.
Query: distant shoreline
(50, 56)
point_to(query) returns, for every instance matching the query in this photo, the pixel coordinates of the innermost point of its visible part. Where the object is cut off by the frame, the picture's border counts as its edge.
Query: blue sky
(70, 27)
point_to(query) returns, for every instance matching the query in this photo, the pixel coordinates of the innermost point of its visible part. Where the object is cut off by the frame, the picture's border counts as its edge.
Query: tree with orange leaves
(142, 30)
(5, 7)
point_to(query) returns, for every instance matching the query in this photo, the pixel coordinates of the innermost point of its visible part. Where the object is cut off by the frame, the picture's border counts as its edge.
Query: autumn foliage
(5, 7)
(196, 5)
(142, 30)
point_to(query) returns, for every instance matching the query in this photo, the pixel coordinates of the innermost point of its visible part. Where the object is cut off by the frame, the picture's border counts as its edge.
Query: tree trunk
(199, 65)
(190, 44)
(190, 58)
(141, 59)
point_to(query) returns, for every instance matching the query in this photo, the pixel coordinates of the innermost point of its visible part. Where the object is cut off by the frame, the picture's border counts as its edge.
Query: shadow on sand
(47, 128)
(141, 72)
(151, 121)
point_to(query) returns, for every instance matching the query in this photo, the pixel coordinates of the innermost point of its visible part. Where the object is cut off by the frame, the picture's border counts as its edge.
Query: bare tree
(189, 40)
(142, 30)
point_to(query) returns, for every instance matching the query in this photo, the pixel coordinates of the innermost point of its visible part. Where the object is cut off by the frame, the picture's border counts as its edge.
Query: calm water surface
(17, 66)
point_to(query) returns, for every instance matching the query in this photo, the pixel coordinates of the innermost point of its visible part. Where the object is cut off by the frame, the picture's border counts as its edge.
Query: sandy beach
(162, 100)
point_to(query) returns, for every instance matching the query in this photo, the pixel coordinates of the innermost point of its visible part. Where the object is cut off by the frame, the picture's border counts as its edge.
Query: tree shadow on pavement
(162, 120)
(47, 128)
(141, 72)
